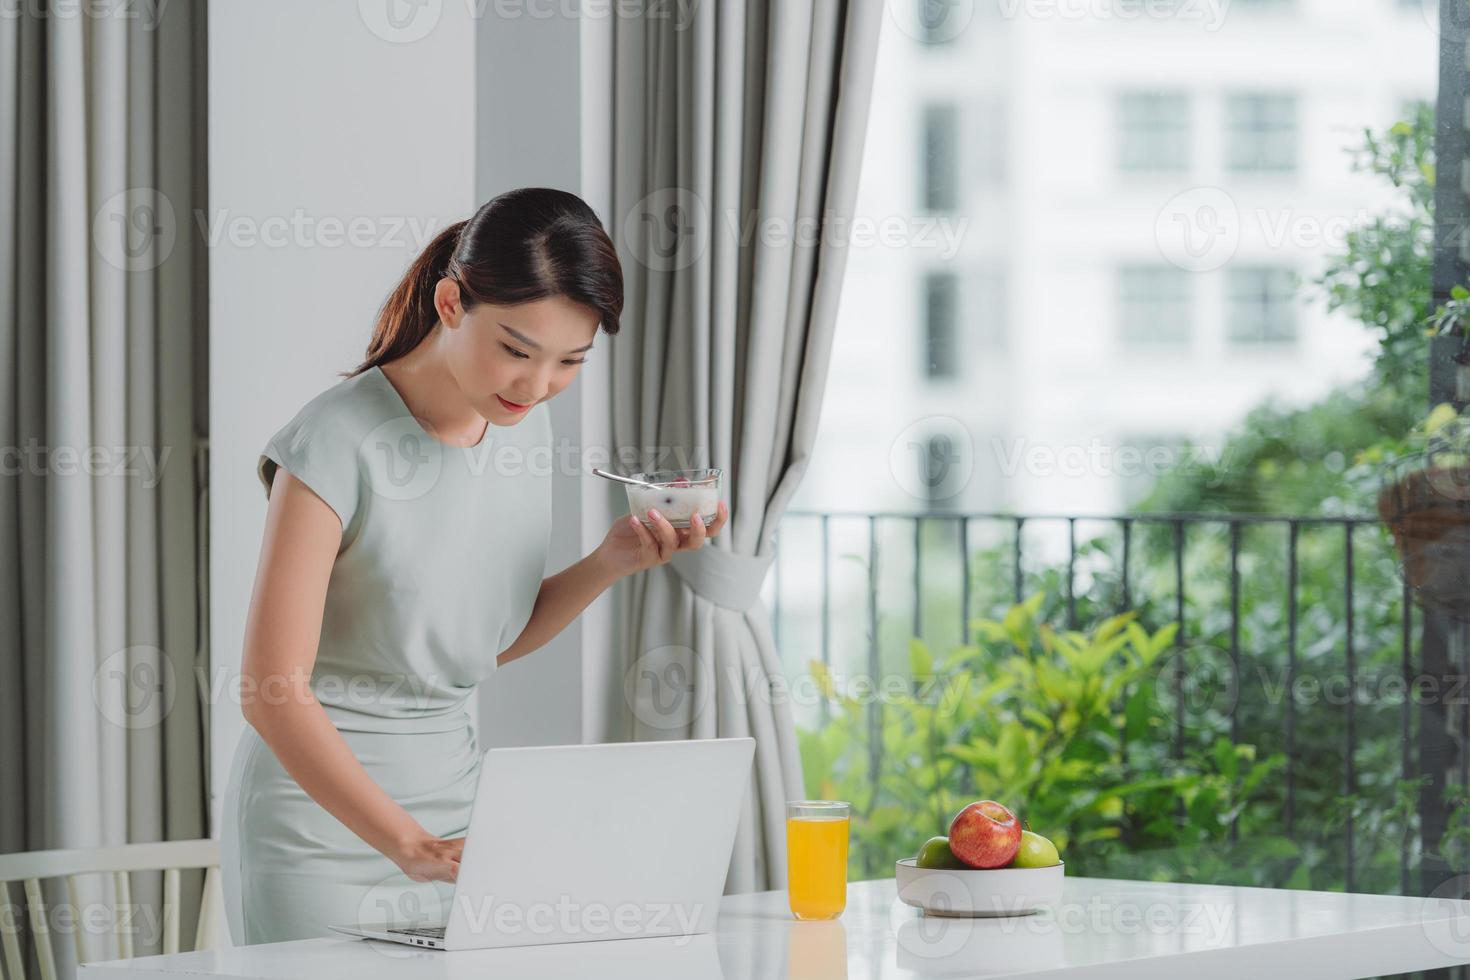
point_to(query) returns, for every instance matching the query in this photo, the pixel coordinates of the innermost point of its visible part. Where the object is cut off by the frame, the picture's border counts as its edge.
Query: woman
(403, 561)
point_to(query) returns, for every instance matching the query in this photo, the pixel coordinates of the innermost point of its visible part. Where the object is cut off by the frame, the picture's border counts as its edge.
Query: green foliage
(1383, 277)
(1068, 728)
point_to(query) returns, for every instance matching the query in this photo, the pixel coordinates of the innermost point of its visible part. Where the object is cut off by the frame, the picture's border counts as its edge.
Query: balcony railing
(1144, 562)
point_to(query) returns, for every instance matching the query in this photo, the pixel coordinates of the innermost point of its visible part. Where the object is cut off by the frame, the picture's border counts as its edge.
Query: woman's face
(506, 359)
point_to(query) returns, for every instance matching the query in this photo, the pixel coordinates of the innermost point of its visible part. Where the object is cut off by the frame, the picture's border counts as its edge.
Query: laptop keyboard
(429, 932)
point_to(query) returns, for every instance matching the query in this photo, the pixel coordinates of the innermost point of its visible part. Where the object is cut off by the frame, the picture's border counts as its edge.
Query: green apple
(1035, 852)
(936, 854)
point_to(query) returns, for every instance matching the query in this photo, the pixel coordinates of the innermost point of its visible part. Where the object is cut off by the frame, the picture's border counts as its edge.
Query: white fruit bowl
(972, 892)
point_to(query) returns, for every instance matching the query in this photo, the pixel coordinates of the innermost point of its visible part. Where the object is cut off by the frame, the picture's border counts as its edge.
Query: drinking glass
(816, 857)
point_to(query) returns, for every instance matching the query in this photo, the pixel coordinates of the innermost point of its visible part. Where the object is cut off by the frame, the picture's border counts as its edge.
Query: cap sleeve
(321, 453)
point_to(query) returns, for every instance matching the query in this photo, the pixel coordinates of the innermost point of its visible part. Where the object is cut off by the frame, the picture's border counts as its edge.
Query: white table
(1101, 929)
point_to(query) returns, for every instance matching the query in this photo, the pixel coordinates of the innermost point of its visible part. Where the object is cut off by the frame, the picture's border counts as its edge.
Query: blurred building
(1087, 228)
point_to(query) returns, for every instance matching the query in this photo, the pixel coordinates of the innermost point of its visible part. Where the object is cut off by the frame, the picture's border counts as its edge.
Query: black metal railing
(1170, 537)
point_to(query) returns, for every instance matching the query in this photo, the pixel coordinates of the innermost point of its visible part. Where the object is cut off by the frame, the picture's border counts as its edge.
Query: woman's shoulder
(352, 407)
(323, 443)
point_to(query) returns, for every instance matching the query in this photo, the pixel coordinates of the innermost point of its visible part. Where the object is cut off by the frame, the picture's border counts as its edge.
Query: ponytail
(519, 247)
(408, 314)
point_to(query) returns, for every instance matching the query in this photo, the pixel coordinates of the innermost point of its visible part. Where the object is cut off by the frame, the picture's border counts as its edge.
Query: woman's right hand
(430, 858)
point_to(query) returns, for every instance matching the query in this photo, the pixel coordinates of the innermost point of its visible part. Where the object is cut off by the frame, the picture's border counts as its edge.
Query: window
(1132, 429)
(1153, 306)
(1153, 132)
(1262, 308)
(1261, 134)
(941, 309)
(940, 165)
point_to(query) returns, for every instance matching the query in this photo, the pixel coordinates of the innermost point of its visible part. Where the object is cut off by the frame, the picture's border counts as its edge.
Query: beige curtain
(738, 140)
(102, 329)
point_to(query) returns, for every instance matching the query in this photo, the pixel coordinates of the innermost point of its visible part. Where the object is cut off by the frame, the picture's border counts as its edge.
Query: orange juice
(816, 866)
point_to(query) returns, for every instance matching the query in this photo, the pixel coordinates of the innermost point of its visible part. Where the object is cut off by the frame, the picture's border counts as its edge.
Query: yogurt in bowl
(676, 494)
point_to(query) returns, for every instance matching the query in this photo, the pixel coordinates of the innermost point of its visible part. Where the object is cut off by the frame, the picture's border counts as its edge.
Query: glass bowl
(677, 494)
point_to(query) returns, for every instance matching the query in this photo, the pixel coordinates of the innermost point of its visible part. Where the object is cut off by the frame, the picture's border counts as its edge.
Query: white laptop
(577, 843)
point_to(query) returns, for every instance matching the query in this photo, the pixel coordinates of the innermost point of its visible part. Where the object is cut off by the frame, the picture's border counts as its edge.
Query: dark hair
(520, 246)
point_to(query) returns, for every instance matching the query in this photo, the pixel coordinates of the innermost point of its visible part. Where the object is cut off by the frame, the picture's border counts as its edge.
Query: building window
(940, 163)
(1261, 133)
(1154, 305)
(1153, 132)
(1262, 306)
(941, 316)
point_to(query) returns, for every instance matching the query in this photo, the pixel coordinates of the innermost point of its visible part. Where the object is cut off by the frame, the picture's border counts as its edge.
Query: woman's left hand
(631, 547)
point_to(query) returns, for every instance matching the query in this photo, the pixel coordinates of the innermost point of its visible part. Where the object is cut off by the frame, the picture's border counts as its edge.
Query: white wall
(311, 114)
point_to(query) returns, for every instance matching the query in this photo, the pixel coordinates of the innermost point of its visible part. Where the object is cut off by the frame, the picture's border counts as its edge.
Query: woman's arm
(282, 630)
(562, 598)
(629, 547)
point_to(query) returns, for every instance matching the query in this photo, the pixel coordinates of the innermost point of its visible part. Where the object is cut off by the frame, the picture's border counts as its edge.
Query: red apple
(985, 835)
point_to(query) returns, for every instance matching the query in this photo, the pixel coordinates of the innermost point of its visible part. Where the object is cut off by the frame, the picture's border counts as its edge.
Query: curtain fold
(103, 681)
(738, 140)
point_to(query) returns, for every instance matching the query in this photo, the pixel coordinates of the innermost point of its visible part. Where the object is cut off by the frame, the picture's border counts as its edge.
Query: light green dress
(442, 555)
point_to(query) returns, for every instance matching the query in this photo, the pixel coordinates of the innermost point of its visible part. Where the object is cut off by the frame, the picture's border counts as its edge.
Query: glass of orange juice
(816, 857)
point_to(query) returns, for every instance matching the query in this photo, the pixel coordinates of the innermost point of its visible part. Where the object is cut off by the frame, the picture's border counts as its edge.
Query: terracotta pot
(1428, 513)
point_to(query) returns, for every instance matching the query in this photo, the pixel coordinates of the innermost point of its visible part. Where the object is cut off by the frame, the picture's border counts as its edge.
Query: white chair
(170, 857)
